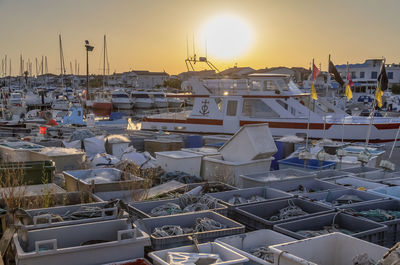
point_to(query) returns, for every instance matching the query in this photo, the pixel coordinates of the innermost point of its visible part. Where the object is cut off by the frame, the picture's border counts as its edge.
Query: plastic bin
(309, 165)
(262, 179)
(32, 172)
(268, 194)
(256, 216)
(17, 151)
(187, 220)
(143, 209)
(42, 218)
(250, 142)
(331, 173)
(180, 161)
(245, 243)
(65, 245)
(361, 171)
(332, 249)
(301, 186)
(356, 183)
(62, 161)
(226, 255)
(328, 197)
(193, 141)
(214, 168)
(111, 180)
(392, 235)
(357, 227)
(388, 192)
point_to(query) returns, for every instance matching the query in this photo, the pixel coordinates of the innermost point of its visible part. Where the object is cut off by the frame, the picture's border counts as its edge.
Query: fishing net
(263, 253)
(207, 224)
(379, 215)
(168, 230)
(288, 212)
(326, 230)
(237, 199)
(166, 209)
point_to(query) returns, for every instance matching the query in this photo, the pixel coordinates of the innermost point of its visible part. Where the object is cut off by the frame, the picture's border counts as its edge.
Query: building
(149, 80)
(365, 75)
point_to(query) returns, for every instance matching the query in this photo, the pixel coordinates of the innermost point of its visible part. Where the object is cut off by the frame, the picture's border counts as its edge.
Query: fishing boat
(272, 99)
(121, 100)
(159, 99)
(142, 100)
(61, 103)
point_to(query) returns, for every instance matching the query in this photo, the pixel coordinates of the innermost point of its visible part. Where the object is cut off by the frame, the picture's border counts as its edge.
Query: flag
(315, 72)
(313, 92)
(350, 83)
(382, 85)
(336, 75)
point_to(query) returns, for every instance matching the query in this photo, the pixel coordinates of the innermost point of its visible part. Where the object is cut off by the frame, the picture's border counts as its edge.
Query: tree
(396, 88)
(172, 83)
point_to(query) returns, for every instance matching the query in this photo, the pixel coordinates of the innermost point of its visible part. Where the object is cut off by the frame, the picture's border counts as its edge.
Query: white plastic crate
(332, 249)
(228, 256)
(179, 161)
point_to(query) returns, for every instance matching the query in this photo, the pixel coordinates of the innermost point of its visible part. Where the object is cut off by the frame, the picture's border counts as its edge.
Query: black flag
(382, 77)
(336, 75)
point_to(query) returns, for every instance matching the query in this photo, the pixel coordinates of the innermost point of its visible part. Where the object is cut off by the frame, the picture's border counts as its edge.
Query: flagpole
(329, 76)
(373, 111)
(309, 111)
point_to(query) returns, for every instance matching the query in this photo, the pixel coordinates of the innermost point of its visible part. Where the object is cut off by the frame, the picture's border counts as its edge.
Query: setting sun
(227, 36)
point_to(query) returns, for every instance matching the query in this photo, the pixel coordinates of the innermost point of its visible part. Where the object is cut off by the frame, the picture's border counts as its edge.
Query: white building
(149, 80)
(365, 75)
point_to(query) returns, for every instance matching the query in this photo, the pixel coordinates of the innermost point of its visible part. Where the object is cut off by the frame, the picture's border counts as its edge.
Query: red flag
(349, 81)
(315, 72)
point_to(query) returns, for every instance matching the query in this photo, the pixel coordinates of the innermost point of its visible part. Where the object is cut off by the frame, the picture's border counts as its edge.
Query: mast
(104, 61)
(62, 66)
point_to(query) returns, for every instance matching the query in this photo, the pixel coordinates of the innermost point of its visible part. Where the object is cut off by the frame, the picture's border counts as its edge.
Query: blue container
(193, 141)
(278, 155)
(389, 192)
(310, 165)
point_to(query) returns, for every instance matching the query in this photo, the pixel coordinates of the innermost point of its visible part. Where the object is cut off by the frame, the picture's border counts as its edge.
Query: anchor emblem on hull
(204, 108)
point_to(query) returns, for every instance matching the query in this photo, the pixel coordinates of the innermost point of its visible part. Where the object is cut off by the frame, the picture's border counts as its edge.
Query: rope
(291, 211)
(168, 230)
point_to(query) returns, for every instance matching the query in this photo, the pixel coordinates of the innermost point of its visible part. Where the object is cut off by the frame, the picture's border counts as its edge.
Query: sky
(152, 34)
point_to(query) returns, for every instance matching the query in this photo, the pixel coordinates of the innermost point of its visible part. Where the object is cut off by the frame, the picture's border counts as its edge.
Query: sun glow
(227, 36)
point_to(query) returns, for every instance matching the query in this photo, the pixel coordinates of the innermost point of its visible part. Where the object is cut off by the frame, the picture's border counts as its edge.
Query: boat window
(283, 85)
(218, 101)
(283, 104)
(140, 96)
(231, 108)
(270, 85)
(256, 108)
(159, 95)
(256, 85)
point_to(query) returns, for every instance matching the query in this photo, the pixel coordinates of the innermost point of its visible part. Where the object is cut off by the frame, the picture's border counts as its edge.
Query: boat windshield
(120, 96)
(140, 95)
(159, 95)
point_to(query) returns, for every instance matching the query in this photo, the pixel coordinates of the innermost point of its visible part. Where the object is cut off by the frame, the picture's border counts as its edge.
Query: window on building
(231, 108)
(353, 75)
(390, 75)
(362, 74)
(374, 75)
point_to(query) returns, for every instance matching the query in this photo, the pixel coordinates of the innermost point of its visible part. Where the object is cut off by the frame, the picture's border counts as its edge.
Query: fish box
(82, 244)
(307, 165)
(75, 214)
(187, 220)
(17, 151)
(31, 173)
(364, 172)
(331, 249)
(357, 183)
(357, 227)
(250, 142)
(264, 178)
(301, 186)
(341, 198)
(161, 145)
(100, 180)
(179, 161)
(246, 244)
(331, 173)
(116, 144)
(215, 168)
(226, 255)
(262, 215)
(63, 158)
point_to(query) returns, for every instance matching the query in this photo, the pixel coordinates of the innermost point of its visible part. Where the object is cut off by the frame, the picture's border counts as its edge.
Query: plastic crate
(227, 256)
(268, 194)
(46, 214)
(356, 183)
(392, 235)
(244, 243)
(140, 261)
(256, 216)
(388, 192)
(300, 186)
(187, 220)
(359, 227)
(76, 180)
(33, 173)
(107, 241)
(328, 197)
(143, 209)
(331, 173)
(309, 165)
(262, 179)
(362, 171)
(332, 249)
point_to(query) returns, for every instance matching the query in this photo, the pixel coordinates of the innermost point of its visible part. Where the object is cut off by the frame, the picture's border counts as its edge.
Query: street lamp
(89, 48)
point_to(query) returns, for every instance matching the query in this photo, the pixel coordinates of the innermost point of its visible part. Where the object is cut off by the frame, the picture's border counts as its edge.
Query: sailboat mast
(61, 62)
(104, 62)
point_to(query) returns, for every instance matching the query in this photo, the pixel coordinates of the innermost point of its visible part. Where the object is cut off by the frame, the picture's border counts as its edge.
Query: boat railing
(166, 111)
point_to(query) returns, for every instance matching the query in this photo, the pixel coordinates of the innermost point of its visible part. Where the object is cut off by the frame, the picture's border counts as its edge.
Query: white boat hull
(143, 105)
